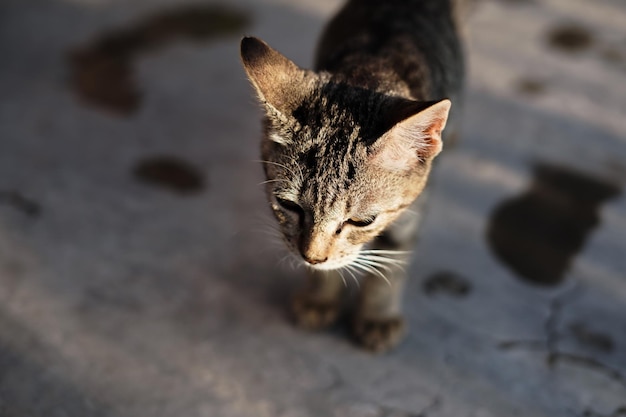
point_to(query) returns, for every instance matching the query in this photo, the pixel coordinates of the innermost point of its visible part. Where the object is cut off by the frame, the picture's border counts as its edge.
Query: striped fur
(348, 147)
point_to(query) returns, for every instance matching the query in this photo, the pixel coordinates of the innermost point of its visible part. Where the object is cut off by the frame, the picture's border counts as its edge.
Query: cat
(348, 148)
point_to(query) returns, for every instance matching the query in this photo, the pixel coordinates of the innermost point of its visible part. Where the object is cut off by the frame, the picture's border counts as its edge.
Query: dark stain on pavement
(538, 233)
(448, 283)
(590, 338)
(102, 71)
(570, 38)
(16, 200)
(171, 173)
(531, 86)
(613, 55)
(620, 412)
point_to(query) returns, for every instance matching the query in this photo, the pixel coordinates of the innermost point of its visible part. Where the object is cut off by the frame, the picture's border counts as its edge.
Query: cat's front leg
(378, 323)
(319, 303)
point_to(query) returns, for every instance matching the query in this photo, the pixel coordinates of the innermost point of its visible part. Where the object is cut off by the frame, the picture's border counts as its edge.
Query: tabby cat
(348, 148)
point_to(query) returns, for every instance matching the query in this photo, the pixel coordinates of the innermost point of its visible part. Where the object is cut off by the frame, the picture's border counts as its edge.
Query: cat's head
(342, 162)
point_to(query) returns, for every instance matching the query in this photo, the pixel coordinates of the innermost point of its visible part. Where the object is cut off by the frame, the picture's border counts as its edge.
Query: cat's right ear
(415, 138)
(279, 82)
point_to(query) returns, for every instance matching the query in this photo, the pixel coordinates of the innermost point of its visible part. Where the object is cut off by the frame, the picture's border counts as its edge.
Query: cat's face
(341, 162)
(327, 210)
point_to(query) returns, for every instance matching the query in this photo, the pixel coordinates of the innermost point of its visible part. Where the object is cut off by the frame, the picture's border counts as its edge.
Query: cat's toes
(379, 335)
(313, 314)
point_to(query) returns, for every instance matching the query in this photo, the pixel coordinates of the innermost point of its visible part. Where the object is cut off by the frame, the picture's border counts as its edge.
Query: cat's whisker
(377, 266)
(289, 260)
(295, 262)
(273, 240)
(282, 166)
(374, 264)
(273, 163)
(266, 229)
(283, 260)
(351, 271)
(385, 257)
(386, 252)
(384, 260)
(271, 181)
(300, 177)
(271, 234)
(372, 270)
(345, 284)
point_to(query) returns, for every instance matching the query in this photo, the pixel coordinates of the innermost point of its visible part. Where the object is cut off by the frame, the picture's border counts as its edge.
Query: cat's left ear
(279, 82)
(414, 139)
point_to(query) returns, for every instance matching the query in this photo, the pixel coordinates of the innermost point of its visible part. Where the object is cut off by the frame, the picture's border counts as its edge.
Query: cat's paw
(313, 314)
(379, 335)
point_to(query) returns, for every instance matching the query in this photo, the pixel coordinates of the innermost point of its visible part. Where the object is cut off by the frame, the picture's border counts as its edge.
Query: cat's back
(406, 47)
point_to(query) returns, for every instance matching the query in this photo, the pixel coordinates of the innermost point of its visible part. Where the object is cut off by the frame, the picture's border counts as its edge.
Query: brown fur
(349, 147)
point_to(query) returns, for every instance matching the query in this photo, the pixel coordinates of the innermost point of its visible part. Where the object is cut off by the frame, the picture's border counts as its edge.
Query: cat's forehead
(335, 108)
(334, 176)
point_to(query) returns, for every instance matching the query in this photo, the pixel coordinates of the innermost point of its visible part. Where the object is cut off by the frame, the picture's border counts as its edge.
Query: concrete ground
(137, 277)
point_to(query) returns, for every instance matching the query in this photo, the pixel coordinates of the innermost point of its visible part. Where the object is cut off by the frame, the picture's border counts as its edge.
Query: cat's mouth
(376, 262)
(332, 264)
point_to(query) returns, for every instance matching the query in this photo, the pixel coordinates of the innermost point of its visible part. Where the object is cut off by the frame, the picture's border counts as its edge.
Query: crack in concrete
(551, 325)
(522, 344)
(338, 382)
(554, 356)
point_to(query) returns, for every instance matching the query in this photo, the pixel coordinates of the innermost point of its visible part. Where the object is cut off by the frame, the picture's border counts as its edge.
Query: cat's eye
(289, 205)
(362, 222)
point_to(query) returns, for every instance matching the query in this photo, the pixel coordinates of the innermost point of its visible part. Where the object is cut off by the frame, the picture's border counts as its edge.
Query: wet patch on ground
(570, 38)
(447, 282)
(613, 55)
(21, 203)
(531, 86)
(539, 233)
(620, 412)
(102, 71)
(171, 173)
(591, 338)
(573, 38)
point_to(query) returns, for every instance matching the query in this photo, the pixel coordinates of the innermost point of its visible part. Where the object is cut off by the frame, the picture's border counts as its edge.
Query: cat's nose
(314, 245)
(313, 260)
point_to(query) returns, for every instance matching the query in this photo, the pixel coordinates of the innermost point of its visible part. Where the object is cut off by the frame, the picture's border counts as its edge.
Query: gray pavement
(139, 277)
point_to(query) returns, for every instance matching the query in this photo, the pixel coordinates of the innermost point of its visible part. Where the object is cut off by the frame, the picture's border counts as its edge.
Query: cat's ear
(279, 82)
(415, 138)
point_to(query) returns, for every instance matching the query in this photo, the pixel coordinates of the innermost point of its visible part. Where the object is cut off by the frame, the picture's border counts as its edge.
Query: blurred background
(137, 277)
